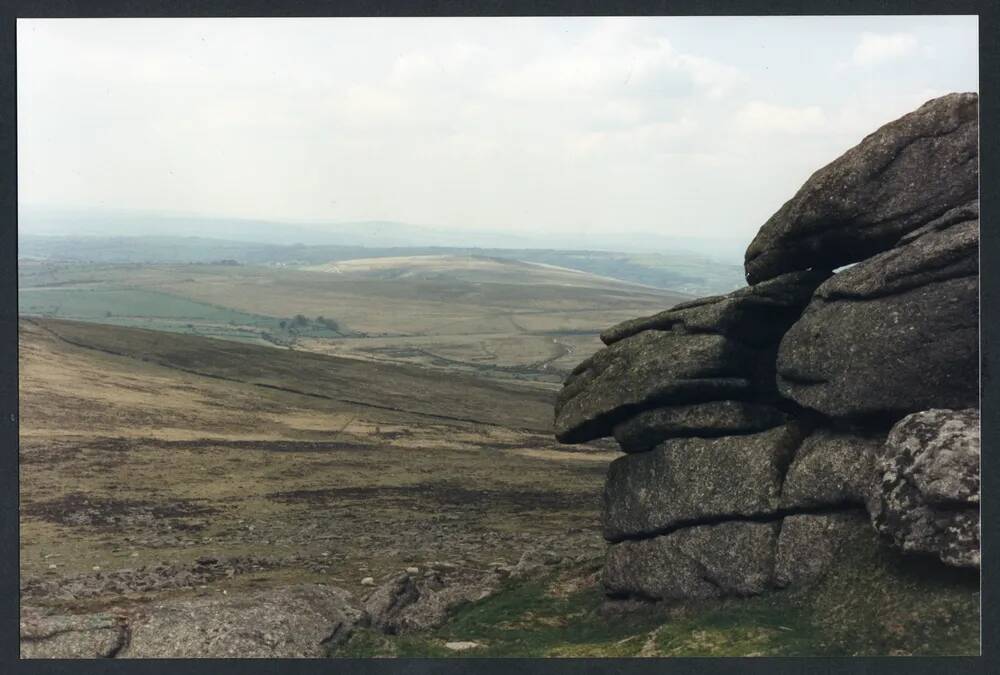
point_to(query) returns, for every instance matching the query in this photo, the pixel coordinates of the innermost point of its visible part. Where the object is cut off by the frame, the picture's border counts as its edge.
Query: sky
(578, 128)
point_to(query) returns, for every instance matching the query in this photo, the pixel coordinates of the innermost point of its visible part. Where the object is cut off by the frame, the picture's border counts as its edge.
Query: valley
(142, 449)
(197, 432)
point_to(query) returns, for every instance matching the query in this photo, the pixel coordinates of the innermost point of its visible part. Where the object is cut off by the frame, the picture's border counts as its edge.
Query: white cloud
(616, 59)
(372, 105)
(676, 125)
(450, 61)
(875, 48)
(758, 116)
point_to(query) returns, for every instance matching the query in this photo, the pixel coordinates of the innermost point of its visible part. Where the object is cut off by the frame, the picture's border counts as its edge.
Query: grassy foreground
(874, 604)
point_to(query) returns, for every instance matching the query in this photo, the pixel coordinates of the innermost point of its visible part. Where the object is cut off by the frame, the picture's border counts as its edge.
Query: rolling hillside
(143, 452)
(672, 268)
(493, 317)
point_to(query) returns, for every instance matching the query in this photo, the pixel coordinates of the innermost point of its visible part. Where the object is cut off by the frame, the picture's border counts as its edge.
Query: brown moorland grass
(133, 459)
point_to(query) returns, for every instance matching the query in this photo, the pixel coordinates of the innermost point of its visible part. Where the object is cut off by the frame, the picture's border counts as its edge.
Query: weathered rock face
(809, 543)
(830, 469)
(644, 370)
(695, 480)
(892, 335)
(86, 636)
(756, 423)
(708, 561)
(757, 315)
(899, 178)
(713, 350)
(714, 418)
(926, 499)
(407, 602)
(298, 621)
(734, 558)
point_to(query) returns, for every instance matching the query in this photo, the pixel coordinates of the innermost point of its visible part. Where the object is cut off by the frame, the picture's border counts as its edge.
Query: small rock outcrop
(926, 498)
(408, 601)
(764, 428)
(86, 636)
(294, 622)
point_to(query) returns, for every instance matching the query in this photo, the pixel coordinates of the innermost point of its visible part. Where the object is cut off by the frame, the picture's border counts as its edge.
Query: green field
(143, 308)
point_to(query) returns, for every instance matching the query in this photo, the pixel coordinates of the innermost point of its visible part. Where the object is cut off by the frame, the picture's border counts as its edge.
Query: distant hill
(33, 220)
(471, 268)
(681, 271)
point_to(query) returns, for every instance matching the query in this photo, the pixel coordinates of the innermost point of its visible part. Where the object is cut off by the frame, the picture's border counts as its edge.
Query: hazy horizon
(644, 130)
(116, 223)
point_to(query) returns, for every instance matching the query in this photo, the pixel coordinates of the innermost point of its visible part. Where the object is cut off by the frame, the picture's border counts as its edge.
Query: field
(498, 318)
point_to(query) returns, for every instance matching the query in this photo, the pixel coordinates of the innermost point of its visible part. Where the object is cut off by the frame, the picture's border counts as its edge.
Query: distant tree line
(301, 321)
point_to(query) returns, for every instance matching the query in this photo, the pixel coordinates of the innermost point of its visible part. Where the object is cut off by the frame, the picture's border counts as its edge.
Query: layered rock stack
(763, 427)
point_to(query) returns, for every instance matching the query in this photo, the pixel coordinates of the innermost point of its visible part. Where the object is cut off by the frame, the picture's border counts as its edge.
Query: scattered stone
(157, 577)
(533, 560)
(368, 581)
(461, 646)
(404, 603)
(388, 600)
(503, 571)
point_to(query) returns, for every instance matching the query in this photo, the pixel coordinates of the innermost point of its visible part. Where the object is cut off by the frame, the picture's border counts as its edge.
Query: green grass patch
(522, 619)
(875, 603)
(156, 310)
(85, 303)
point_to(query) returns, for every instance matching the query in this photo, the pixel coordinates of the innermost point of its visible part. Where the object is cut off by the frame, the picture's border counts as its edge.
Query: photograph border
(989, 70)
